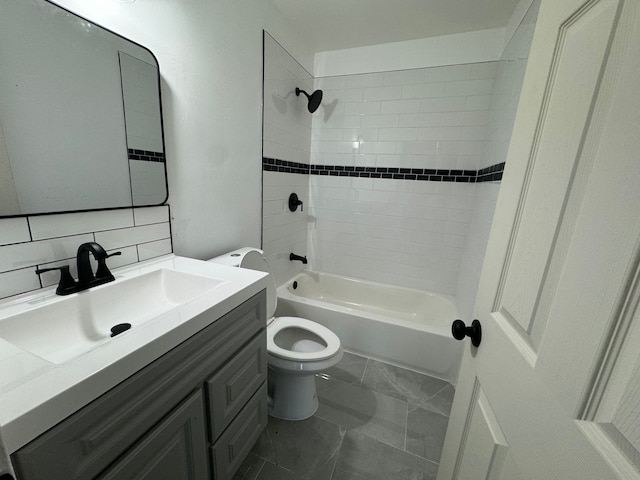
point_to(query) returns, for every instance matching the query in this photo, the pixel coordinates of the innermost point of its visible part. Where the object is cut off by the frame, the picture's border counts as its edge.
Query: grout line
(406, 427)
(264, 462)
(343, 433)
(364, 370)
(429, 407)
(29, 228)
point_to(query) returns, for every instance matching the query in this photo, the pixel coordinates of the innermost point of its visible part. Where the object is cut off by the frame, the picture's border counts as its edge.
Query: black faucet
(85, 273)
(293, 256)
(86, 278)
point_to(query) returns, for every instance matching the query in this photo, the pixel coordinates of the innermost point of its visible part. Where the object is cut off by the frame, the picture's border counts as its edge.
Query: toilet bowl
(297, 348)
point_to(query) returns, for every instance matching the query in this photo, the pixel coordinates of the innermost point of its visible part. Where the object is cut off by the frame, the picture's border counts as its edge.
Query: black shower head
(314, 99)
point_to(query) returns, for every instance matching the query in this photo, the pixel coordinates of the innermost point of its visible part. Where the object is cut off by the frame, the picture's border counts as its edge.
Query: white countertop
(35, 394)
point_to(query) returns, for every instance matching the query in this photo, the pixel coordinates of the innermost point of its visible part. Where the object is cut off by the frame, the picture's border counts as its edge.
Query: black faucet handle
(67, 284)
(62, 269)
(102, 272)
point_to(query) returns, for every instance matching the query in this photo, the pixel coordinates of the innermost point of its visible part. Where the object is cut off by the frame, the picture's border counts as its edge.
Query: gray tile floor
(375, 421)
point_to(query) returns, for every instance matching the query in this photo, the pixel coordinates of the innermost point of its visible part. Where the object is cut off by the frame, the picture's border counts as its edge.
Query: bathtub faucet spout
(293, 256)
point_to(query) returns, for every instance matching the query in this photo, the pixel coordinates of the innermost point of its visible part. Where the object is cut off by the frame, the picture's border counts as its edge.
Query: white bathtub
(402, 326)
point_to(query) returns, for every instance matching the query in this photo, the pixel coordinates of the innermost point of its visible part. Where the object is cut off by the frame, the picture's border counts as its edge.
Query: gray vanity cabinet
(232, 387)
(175, 448)
(192, 414)
(235, 443)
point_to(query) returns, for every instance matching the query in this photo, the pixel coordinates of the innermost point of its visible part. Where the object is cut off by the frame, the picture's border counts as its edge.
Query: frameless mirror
(80, 115)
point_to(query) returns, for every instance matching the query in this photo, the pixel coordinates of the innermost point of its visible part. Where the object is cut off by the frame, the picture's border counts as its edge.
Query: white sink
(68, 327)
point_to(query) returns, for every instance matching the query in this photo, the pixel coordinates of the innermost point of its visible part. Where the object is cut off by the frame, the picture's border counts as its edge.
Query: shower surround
(397, 226)
(403, 172)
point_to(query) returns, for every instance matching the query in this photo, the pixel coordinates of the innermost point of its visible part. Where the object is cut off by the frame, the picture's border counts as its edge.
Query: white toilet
(297, 348)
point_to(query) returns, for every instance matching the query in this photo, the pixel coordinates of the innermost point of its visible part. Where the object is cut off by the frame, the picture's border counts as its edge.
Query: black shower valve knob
(294, 201)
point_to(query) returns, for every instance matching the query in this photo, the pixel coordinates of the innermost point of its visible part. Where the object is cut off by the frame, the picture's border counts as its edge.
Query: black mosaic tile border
(145, 155)
(282, 166)
(489, 174)
(425, 174)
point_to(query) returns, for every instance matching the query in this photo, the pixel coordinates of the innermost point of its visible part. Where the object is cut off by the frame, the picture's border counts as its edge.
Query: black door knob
(459, 330)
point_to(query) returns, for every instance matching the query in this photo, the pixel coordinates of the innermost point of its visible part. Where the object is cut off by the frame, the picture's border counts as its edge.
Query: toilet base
(292, 396)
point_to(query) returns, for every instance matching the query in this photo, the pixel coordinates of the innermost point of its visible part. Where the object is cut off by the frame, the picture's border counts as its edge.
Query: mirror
(80, 115)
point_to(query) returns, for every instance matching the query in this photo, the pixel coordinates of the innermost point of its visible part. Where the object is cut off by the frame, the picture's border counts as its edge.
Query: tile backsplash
(43, 241)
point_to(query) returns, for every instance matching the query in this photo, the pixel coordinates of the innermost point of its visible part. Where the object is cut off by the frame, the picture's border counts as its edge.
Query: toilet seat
(255, 261)
(328, 337)
(310, 347)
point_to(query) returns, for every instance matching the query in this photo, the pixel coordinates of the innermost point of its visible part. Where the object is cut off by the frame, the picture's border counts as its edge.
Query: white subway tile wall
(287, 122)
(147, 215)
(18, 281)
(28, 243)
(126, 237)
(284, 231)
(436, 104)
(409, 233)
(14, 230)
(405, 233)
(50, 226)
(153, 249)
(475, 247)
(503, 106)
(287, 137)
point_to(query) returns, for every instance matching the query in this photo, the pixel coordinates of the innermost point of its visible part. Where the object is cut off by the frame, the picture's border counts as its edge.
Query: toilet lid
(254, 260)
(328, 337)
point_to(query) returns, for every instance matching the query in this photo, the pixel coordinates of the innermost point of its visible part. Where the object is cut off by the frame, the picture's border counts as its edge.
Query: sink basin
(79, 323)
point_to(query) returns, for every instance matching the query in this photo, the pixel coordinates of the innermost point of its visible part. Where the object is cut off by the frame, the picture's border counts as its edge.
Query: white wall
(470, 47)
(287, 137)
(210, 57)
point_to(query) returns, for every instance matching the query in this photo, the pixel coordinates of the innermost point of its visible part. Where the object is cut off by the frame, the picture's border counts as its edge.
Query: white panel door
(553, 391)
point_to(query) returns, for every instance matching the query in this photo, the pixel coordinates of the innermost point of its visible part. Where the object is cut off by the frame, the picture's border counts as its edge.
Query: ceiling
(338, 24)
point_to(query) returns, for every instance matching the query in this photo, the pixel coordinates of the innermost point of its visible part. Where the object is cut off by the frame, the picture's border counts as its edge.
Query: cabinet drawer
(228, 453)
(235, 383)
(83, 445)
(174, 449)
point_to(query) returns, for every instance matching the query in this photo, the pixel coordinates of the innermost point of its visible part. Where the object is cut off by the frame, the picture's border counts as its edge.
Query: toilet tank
(235, 257)
(252, 258)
